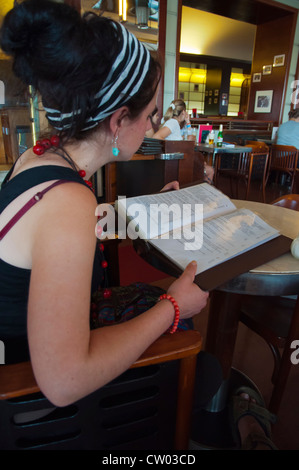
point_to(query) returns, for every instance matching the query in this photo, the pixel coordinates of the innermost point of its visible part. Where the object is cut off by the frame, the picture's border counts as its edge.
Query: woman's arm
(150, 133)
(69, 360)
(162, 133)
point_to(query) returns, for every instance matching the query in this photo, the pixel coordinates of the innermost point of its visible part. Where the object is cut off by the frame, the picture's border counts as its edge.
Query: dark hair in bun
(66, 57)
(37, 33)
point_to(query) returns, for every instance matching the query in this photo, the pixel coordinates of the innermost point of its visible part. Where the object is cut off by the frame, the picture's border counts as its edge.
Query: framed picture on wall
(278, 60)
(263, 101)
(267, 69)
(256, 77)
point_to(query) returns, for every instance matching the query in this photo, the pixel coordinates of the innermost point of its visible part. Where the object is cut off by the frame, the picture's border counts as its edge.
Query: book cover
(204, 130)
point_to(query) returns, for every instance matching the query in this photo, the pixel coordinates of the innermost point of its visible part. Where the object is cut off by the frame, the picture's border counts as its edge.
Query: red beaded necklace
(45, 144)
(42, 145)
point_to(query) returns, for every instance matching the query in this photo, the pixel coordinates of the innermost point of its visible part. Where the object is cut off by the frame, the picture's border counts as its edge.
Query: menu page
(159, 214)
(217, 240)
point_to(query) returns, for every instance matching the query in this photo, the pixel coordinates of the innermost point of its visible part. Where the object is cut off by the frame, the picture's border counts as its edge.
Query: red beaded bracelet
(176, 311)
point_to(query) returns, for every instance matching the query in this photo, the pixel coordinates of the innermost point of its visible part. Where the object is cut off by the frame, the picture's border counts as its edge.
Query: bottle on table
(188, 130)
(220, 136)
(189, 133)
(211, 137)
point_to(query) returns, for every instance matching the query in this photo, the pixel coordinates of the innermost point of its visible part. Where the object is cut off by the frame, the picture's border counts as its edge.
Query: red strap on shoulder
(36, 198)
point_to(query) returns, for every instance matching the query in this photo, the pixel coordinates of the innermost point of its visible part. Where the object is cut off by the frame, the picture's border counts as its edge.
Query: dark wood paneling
(272, 38)
(249, 11)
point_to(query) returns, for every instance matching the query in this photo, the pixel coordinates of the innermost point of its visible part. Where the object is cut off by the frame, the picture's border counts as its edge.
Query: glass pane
(16, 129)
(141, 16)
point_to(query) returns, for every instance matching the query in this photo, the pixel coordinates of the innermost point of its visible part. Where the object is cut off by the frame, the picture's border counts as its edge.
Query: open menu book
(201, 223)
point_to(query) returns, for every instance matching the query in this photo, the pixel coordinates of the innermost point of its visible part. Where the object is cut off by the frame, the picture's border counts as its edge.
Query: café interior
(222, 59)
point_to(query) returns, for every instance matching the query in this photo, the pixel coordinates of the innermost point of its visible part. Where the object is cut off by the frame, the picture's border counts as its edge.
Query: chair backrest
(254, 144)
(258, 147)
(258, 157)
(147, 408)
(290, 201)
(284, 157)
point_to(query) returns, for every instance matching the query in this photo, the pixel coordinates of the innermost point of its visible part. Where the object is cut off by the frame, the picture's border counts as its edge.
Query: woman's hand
(208, 173)
(172, 185)
(189, 297)
(185, 117)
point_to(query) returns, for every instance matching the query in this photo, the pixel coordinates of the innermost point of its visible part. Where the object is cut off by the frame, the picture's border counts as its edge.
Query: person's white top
(175, 130)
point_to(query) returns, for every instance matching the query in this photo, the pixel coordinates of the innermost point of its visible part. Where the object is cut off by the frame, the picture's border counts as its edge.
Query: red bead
(38, 149)
(89, 183)
(55, 140)
(104, 264)
(101, 245)
(82, 173)
(107, 293)
(46, 143)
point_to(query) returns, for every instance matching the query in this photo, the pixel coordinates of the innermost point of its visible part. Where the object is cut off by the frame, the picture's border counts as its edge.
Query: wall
(213, 35)
(272, 38)
(291, 72)
(293, 63)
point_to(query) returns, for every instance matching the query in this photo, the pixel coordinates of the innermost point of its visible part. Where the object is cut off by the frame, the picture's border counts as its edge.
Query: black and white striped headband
(124, 81)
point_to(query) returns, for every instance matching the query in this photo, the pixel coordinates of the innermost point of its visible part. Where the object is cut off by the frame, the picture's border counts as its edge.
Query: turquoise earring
(115, 149)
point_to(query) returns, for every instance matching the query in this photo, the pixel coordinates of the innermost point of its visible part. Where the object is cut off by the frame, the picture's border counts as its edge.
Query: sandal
(242, 407)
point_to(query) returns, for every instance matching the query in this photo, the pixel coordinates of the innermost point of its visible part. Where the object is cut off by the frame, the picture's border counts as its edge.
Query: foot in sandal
(251, 421)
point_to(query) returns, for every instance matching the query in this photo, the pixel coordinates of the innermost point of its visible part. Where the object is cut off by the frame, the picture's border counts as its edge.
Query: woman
(98, 86)
(154, 118)
(175, 118)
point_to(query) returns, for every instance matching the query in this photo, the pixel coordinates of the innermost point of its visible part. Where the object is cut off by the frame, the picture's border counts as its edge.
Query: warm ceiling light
(122, 9)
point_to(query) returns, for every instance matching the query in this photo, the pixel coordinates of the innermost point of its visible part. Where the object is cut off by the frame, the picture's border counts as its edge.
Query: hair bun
(30, 34)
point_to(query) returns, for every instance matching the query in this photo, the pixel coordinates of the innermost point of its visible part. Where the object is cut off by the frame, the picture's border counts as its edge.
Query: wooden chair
(256, 160)
(290, 201)
(276, 320)
(284, 160)
(133, 412)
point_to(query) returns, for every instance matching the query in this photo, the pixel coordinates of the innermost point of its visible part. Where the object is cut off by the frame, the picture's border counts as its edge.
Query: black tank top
(14, 281)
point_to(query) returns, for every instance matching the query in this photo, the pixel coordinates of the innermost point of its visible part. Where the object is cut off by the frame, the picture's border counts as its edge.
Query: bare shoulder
(70, 208)
(70, 195)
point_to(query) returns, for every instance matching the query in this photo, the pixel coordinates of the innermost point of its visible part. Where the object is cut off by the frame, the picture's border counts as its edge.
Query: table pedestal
(212, 429)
